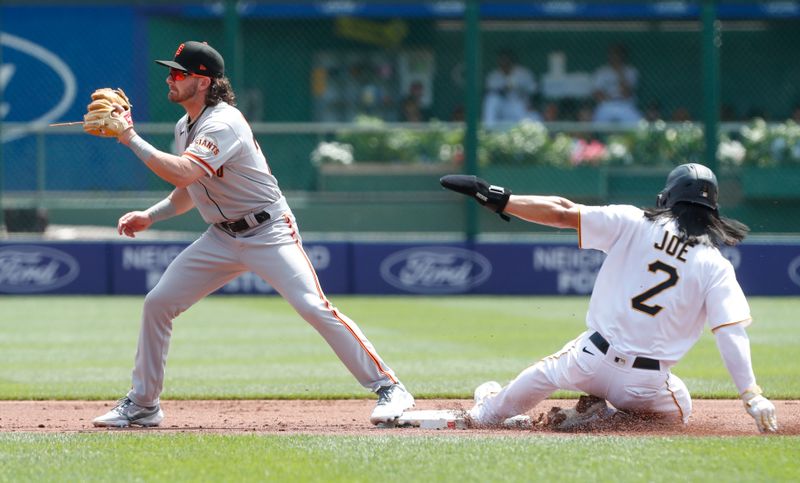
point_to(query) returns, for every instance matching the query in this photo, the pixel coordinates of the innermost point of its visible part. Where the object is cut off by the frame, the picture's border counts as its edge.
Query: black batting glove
(492, 197)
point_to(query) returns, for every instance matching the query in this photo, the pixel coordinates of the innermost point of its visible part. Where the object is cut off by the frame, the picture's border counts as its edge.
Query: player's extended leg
(533, 385)
(203, 267)
(286, 267)
(200, 269)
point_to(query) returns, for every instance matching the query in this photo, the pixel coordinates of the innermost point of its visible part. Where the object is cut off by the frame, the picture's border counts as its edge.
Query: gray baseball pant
(272, 251)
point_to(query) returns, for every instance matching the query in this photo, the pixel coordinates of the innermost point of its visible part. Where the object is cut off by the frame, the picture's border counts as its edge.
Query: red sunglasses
(179, 75)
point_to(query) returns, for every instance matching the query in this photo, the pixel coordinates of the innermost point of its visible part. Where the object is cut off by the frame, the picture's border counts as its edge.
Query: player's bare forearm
(176, 170)
(552, 211)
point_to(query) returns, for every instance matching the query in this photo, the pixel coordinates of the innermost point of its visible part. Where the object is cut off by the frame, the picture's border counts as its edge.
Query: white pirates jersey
(654, 293)
(239, 179)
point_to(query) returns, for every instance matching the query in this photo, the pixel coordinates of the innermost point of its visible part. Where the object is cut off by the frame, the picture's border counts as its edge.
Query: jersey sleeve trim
(201, 162)
(746, 322)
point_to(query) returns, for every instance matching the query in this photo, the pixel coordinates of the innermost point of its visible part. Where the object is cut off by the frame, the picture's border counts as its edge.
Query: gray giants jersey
(239, 180)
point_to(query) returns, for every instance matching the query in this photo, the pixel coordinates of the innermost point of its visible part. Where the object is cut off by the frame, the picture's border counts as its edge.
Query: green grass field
(257, 347)
(180, 457)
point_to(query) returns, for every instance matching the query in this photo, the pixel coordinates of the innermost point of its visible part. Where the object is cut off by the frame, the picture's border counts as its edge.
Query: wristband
(141, 148)
(161, 211)
(750, 393)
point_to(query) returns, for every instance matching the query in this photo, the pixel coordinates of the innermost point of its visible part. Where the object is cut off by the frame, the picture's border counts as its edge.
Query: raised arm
(552, 211)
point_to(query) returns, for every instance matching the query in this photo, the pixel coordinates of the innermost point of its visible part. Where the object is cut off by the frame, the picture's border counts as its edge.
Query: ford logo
(733, 255)
(435, 270)
(51, 61)
(794, 271)
(32, 269)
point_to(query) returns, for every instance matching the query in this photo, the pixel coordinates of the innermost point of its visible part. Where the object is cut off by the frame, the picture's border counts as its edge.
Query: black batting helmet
(692, 183)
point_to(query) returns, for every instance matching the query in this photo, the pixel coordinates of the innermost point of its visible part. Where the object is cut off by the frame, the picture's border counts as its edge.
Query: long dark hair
(700, 224)
(220, 90)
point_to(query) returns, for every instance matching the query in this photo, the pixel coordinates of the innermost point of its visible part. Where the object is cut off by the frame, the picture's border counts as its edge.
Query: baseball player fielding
(221, 170)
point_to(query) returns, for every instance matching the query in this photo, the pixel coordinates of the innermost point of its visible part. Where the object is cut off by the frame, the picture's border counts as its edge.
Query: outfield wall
(540, 268)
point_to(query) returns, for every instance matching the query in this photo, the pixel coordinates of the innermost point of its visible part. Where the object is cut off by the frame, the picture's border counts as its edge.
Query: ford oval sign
(9, 72)
(794, 271)
(435, 270)
(34, 269)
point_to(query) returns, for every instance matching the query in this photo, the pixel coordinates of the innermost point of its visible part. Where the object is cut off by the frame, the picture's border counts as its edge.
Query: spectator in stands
(652, 112)
(410, 111)
(411, 107)
(458, 114)
(584, 112)
(681, 114)
(551, 112)
(508, 90)
(615, 88)
(533, 113)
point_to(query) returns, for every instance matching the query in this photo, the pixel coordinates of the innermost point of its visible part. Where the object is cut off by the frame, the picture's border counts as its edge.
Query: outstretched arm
(734, 346)
(546, 210)
(110, 115)
(552, 211)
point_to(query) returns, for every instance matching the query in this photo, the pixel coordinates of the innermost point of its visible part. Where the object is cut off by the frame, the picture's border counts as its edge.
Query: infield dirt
(709, 418)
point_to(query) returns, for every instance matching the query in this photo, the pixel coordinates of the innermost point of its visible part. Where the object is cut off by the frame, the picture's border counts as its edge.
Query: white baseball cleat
(482, 392)
(392, 402)
(485, 390)
(127, 413)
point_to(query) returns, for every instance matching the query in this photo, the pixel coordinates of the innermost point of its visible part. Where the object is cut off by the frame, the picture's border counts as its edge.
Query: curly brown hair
(220, 91)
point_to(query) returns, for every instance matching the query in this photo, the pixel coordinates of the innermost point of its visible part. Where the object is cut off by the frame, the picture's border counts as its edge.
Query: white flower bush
(657, 144)
(731, 152)
(770, 145)
(332, 152)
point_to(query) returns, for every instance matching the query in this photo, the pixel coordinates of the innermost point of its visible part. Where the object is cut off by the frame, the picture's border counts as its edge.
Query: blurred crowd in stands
(512, 94)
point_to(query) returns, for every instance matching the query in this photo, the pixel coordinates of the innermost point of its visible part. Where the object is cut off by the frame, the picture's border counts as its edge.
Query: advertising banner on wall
(492, 268)
(537, 268)
(47, 75)
(137, 267)
(54, 268)
(370, 268)
(766, 269)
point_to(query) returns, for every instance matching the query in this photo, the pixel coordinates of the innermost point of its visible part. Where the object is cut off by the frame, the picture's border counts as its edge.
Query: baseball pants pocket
(667, 397)
(642, 392)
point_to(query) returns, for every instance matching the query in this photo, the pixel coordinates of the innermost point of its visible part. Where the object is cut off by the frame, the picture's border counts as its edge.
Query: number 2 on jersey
(638, 302)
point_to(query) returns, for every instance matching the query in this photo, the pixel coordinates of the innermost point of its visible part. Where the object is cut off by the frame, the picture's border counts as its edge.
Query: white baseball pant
(581, 366)
(272, 251)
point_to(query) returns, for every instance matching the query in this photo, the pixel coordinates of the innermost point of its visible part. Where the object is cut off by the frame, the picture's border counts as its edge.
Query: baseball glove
(495, 198)
(103, 117)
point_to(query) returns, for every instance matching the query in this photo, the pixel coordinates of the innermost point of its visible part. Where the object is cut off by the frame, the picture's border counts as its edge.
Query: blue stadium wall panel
(118, 268)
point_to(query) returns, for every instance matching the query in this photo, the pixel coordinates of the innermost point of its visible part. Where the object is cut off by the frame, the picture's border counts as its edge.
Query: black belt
(242, 225)
(639, 363)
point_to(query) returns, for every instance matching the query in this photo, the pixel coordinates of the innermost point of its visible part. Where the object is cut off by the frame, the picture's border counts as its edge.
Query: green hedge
(656, 144)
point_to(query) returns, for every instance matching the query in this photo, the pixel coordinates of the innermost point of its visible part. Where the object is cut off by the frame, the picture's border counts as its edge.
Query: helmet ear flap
(661, 200)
